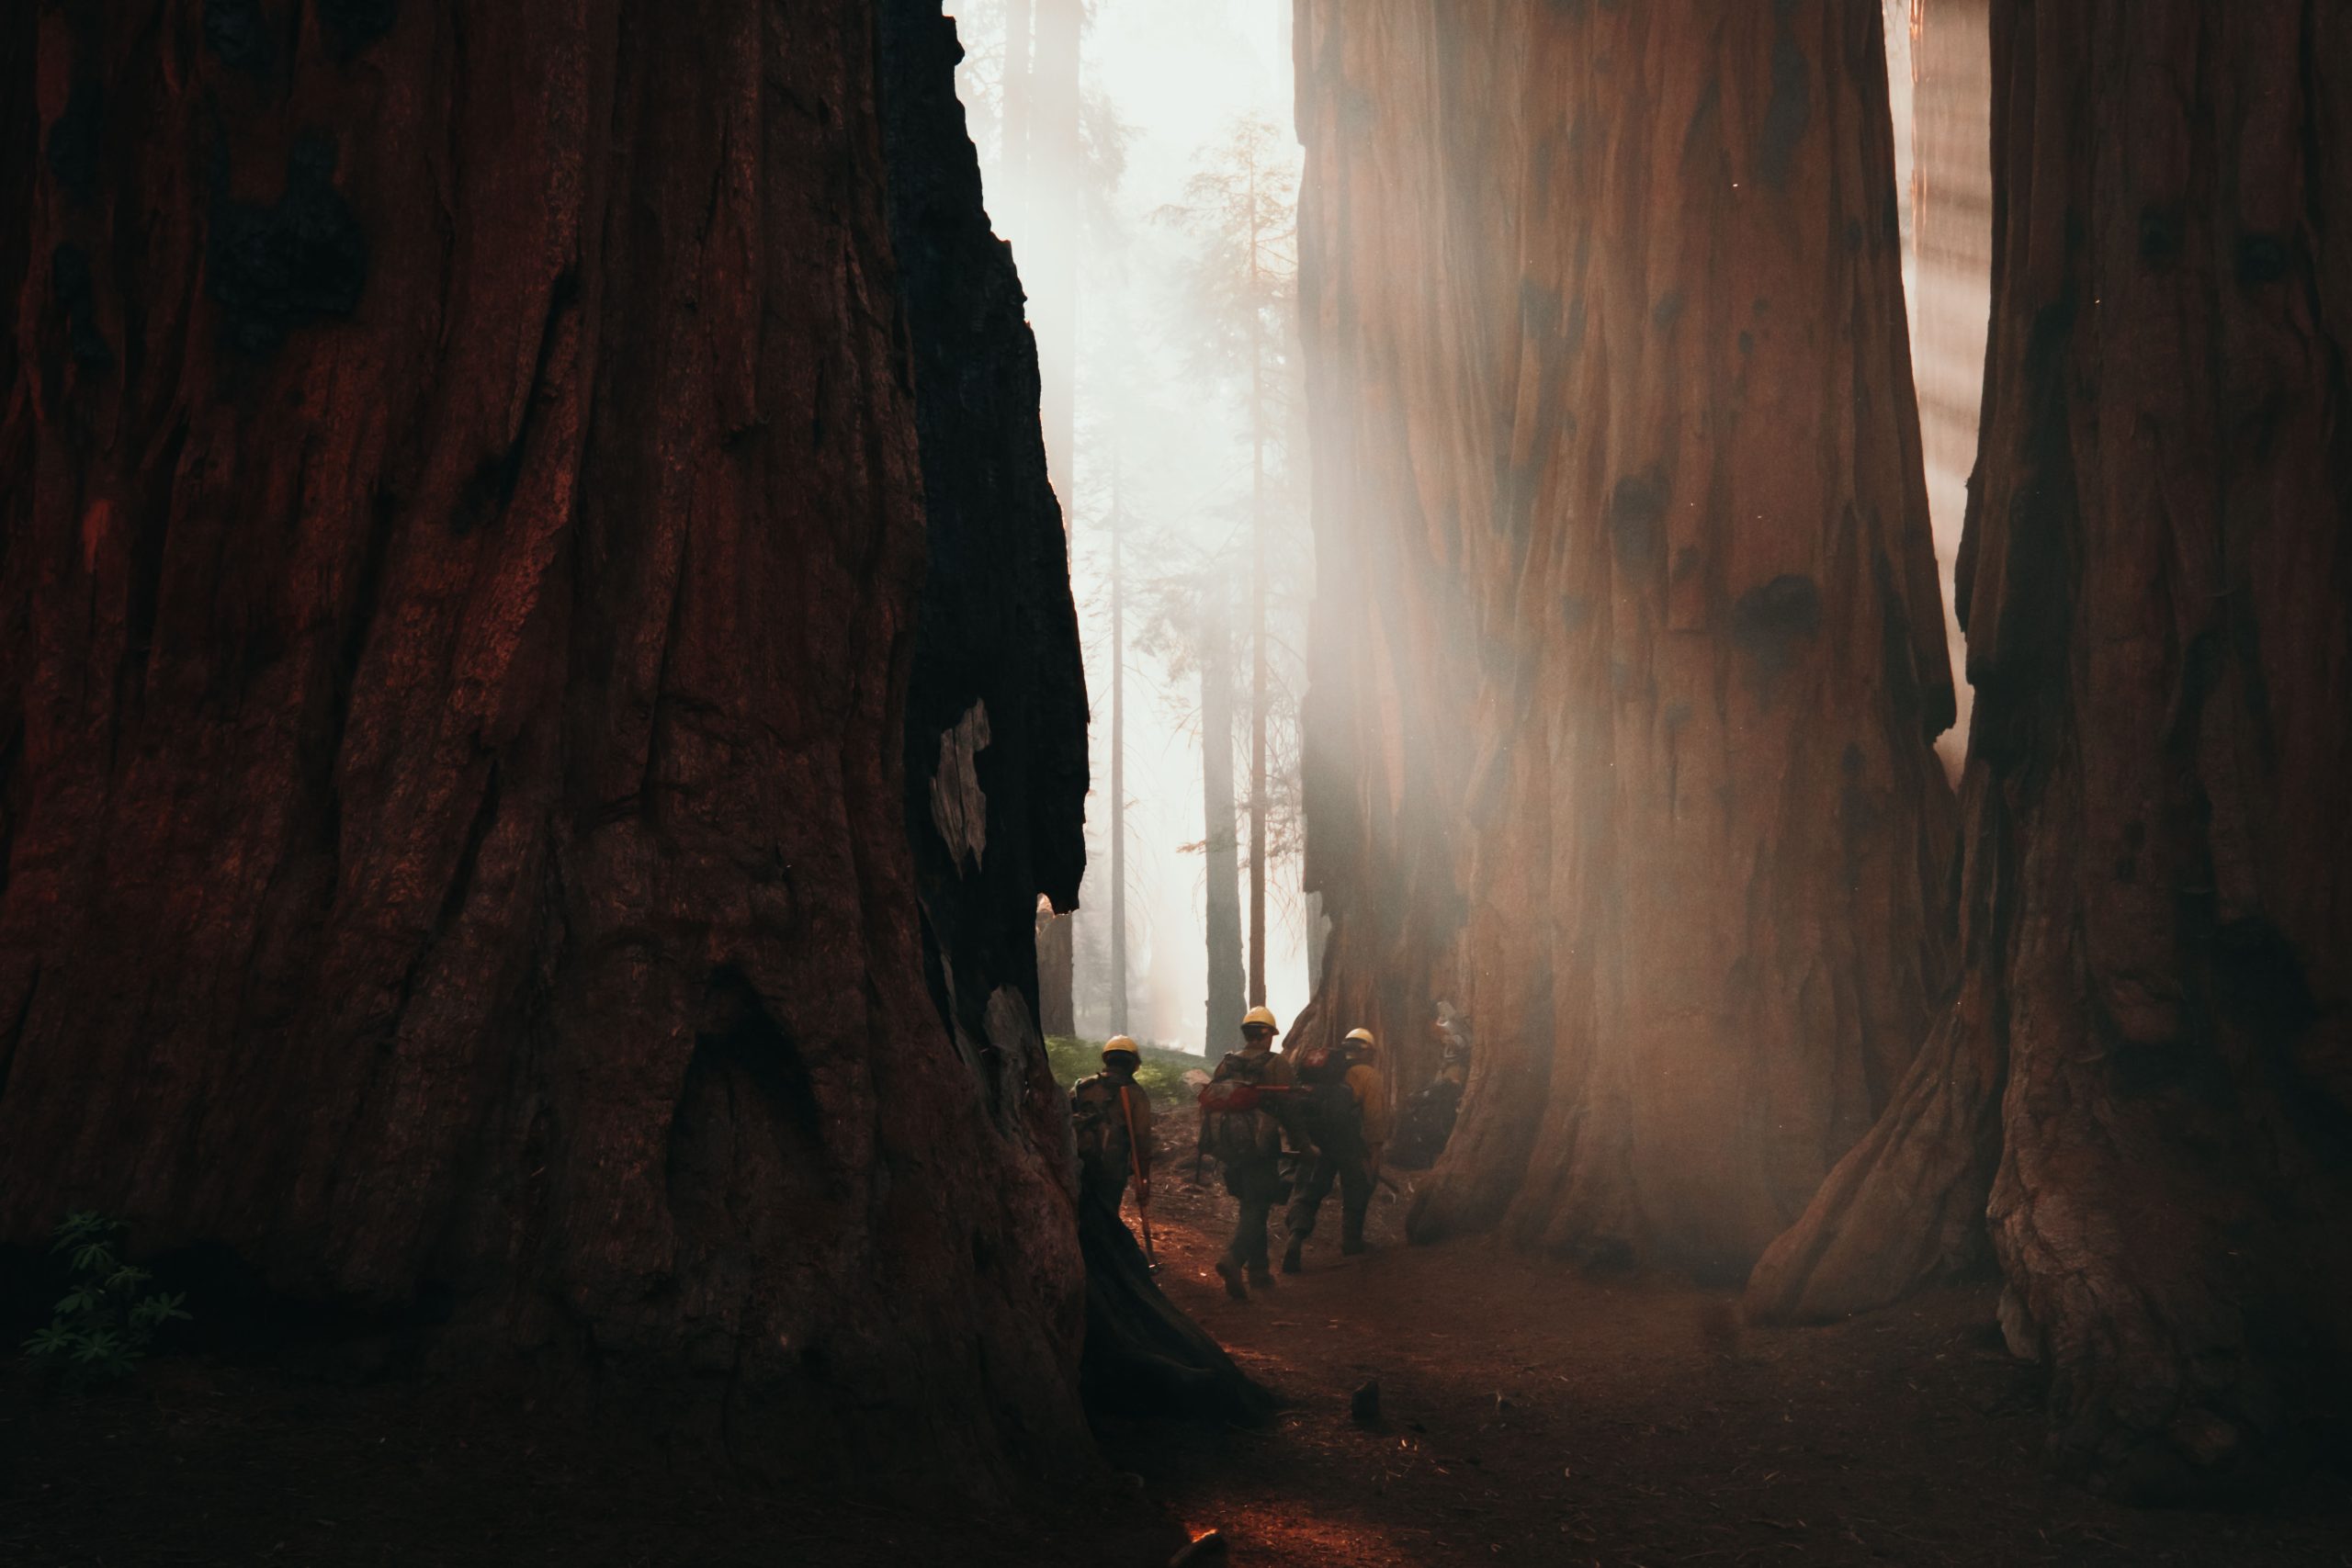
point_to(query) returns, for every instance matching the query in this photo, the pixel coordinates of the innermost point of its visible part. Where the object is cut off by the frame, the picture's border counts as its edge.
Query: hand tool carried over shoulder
(1142, 1176)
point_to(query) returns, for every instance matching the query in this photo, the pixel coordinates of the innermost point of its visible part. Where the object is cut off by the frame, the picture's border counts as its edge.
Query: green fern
(102, 1325)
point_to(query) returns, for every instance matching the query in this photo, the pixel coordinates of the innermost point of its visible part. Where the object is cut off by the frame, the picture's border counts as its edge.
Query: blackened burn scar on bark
(2160, 228)
(238, 35)
(273, 269)
(737, 1029)
(77, 296)
(1636, 511)
(1791, 107)
(353, 25)
(2262, 258)
(74, 142)
(1768, 621)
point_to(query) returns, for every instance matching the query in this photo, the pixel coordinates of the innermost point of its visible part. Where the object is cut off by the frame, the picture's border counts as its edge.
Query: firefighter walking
(1237, 1126)
(1110, 1117)
(1343, 1111)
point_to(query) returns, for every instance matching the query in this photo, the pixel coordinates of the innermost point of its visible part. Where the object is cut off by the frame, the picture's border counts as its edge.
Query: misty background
(1140, 158)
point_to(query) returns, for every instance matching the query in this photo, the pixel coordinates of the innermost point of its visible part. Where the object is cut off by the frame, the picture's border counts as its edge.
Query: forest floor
(1527, 1416)
(1532, 1416)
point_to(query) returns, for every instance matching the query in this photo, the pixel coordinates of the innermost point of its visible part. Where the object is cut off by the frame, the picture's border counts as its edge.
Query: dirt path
(1530, 1416)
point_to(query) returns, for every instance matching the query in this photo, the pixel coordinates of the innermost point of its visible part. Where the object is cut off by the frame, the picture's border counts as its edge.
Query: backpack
(1238, 1125)
(1326, 1115)
(1324, 1111)
(1096, 1122)
(1322, 1063)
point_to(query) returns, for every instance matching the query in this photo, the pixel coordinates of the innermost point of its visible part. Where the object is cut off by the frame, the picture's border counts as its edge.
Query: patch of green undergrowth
(1161, 1074)
(102, 1325)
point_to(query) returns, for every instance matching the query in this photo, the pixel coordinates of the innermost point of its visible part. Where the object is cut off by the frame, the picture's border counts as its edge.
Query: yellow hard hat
(1362, 1037)
(1118, 1043)
(1260, 1017)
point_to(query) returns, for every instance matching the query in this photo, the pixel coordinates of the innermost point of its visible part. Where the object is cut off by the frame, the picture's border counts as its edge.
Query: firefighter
(1248, 1145)
(1347, 1115)
(1111, 1115)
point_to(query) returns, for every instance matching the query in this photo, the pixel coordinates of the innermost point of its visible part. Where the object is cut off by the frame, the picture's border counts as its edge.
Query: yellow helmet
(1362, 1037)
(1260, 1018)
(1118, 1043)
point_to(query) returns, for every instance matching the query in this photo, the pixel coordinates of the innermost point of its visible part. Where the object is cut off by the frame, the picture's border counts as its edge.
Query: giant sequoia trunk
(462, 527)
(2145, 1083)
(1627, 647)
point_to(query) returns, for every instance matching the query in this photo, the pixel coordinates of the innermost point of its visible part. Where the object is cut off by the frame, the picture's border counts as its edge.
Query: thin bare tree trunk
(1258, 688)
(1118, 755)
(1221, 849)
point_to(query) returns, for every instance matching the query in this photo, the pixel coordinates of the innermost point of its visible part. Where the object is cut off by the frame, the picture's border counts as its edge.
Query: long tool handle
(1135, 1164)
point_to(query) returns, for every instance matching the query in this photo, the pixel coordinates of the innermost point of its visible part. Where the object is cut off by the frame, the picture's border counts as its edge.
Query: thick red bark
(2147, 1082)
(462, 527)
(1627, 647)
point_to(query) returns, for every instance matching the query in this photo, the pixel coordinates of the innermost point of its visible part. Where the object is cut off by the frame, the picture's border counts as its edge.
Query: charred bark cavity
(745, 1081)
(238, 35)
(997, 652)
(75, 142)
(1790, 108)
(1771, 622)
(352, 24)
(1636, 514)
(276, 269)
(996, 649)
(77, 300)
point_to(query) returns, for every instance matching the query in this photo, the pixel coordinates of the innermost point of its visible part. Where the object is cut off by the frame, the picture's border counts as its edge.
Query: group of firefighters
(1291, 1123)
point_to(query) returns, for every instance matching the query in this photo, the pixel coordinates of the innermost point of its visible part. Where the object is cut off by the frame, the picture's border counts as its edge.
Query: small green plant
(107, 1318)
(1161, 1074)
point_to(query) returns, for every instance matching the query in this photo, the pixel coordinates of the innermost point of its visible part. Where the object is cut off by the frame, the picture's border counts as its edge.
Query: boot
(1261, 1277)
(1291, 1253)
(1227, 1271)
(1351, 1246)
